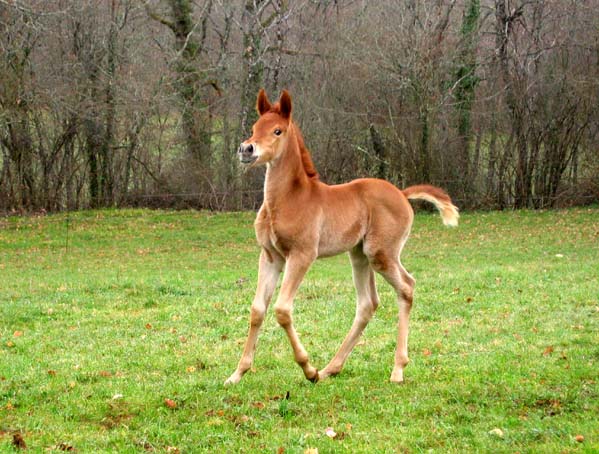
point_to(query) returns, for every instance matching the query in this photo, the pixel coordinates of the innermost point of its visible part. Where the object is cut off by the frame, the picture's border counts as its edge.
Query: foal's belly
(340, 236)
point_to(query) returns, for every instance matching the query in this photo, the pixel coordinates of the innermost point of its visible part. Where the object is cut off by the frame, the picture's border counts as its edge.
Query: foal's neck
(286, 176)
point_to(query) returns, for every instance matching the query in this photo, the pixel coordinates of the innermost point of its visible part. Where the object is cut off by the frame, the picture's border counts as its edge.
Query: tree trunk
(466, 81)
(106, 151)
(253, 66)
(190, 82)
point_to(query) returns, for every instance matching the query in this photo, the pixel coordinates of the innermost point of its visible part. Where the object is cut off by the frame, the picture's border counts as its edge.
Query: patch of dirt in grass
(551, 407)
(118, 413)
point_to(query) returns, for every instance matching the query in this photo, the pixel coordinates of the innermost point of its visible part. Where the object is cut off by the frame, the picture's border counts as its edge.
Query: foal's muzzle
(246, 153)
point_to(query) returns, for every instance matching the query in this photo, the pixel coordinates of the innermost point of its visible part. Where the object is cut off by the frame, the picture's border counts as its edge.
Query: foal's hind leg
(366, 306)
(403, 283)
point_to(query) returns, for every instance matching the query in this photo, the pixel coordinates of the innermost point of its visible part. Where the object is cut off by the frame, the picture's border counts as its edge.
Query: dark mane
(307, 162)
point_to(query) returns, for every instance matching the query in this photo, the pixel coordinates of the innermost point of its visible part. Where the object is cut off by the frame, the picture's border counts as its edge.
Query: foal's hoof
(397, 377)
(314, 378)
(233, 379)
(328, 372)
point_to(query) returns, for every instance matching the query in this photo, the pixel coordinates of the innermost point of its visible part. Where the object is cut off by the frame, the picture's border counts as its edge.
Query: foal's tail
(439, 198)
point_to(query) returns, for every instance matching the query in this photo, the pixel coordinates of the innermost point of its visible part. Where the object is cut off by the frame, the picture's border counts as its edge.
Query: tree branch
(160, 19)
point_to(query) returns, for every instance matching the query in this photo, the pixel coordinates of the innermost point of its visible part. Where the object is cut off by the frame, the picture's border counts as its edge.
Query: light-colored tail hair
(439, 198)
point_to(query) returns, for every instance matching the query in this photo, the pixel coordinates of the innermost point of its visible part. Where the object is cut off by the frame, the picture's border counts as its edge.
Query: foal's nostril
(246, 150)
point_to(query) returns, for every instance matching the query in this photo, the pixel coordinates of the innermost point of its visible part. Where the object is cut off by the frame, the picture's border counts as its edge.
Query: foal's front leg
(268, 275)
(295, 270)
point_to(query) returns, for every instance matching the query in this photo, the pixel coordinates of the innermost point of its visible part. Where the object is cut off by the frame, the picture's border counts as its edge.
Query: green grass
(103, 321)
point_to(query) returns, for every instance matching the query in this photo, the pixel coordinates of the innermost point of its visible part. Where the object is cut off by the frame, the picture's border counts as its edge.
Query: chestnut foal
(303, 219)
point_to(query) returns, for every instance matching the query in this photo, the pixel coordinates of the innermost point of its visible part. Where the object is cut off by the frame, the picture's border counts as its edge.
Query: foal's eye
(278, 132)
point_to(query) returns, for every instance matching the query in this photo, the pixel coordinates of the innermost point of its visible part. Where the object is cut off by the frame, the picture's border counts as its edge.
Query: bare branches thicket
(126, 102)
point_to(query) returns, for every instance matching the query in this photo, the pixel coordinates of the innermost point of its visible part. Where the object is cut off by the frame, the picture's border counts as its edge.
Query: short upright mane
(305, 154)
(307, 162)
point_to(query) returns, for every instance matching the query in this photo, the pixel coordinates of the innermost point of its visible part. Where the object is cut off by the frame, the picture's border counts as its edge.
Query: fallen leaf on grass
(172, 450)
(548, 351)
(311, 451)
(579, 438)
(18, 333)
(170, 403)
(146, 445)
(426, 352)
(64, 447)
(281, 450)
(244, 418)
(329, 432)
(105, 373)
(18, 441)
(148, 326)
(52, 373)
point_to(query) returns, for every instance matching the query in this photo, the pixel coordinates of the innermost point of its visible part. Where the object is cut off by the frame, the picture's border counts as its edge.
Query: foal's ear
(285, 103)
(262, 103)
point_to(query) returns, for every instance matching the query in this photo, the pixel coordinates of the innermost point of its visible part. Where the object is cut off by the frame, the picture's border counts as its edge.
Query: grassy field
(118, 328)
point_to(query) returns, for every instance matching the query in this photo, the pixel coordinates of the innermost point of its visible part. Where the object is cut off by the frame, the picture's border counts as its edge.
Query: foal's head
(269, 133)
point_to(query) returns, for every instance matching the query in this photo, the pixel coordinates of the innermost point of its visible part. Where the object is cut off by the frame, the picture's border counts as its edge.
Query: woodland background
(109, 103)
